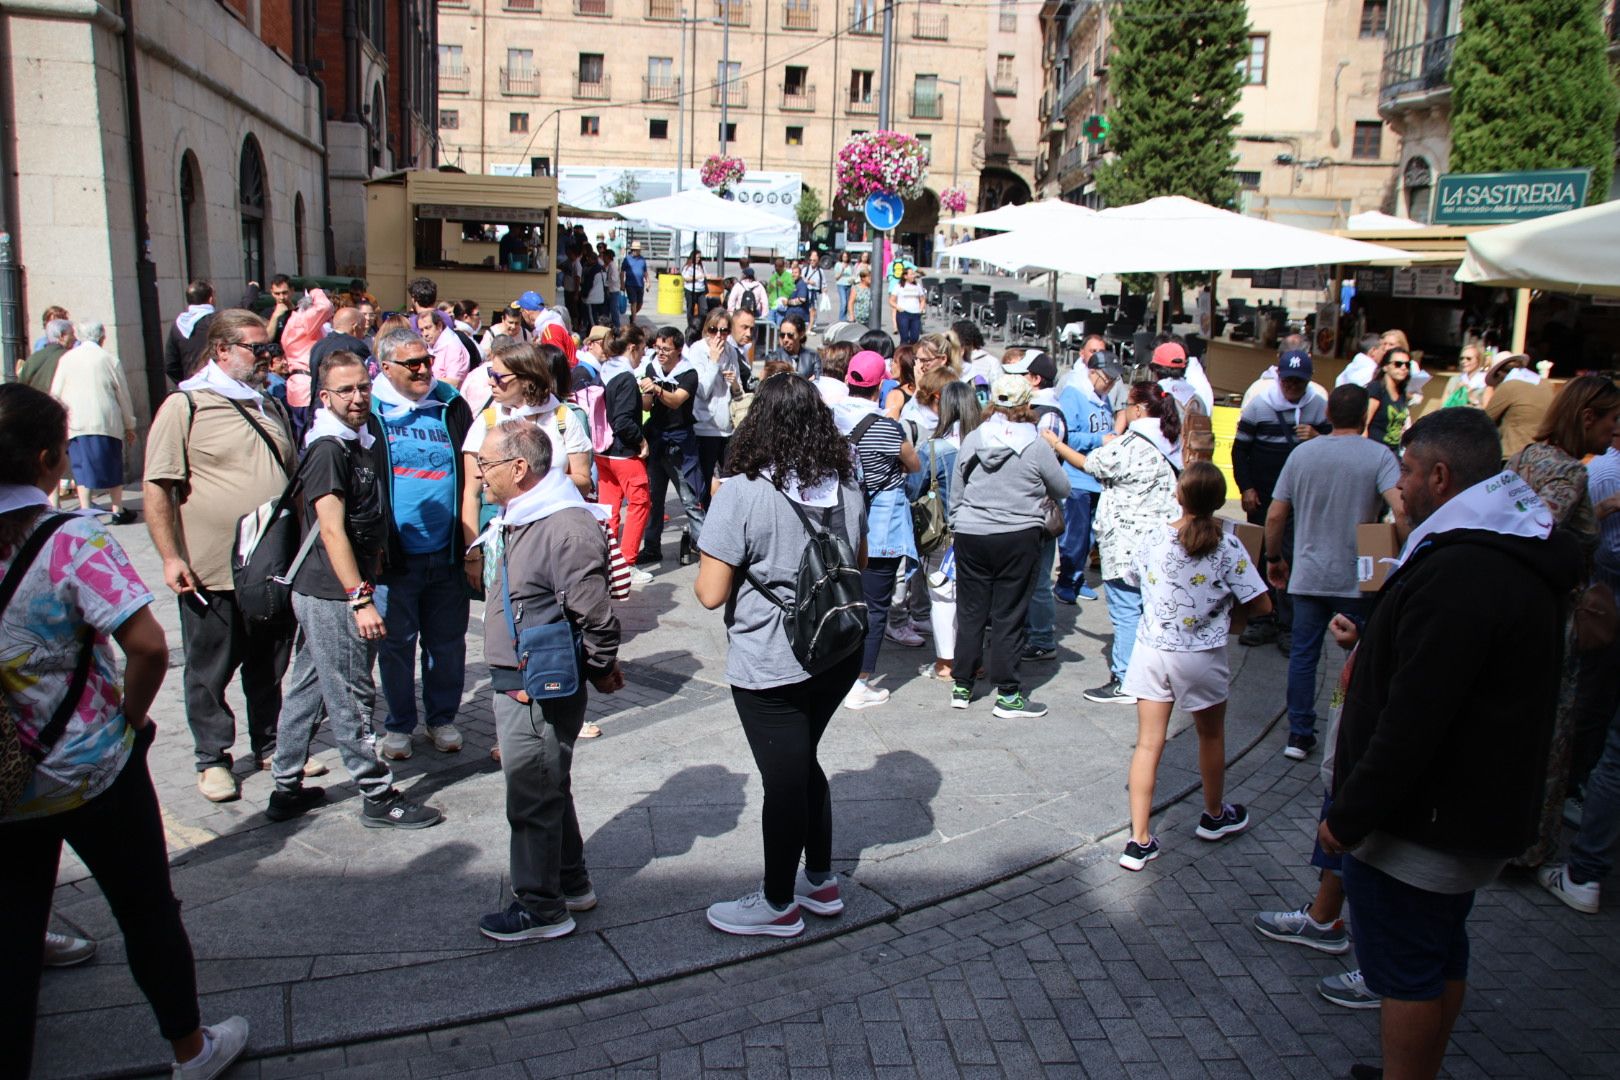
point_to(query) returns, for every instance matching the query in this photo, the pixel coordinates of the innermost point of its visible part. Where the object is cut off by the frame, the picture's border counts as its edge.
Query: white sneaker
(395, 745)
(904, 635)
(446, 738)
(224, 1043)
(862, 696)
(639, 576)
(65, 950)
(1582, 896)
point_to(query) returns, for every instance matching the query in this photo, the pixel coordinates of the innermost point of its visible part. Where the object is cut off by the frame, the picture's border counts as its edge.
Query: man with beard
(216, 451)
(1388, 411)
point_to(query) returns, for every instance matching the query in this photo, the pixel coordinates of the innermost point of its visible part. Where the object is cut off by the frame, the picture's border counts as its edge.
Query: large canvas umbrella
(1572, 252)
(1026, 215)
(700, 210)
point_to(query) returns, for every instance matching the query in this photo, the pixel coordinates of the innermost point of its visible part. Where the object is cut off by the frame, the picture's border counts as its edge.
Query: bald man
(347, 325)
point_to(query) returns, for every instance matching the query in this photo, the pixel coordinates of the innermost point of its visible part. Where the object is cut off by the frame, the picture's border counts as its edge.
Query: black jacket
(621, 397)
(458, 419)
(182, 356)
(1449, 712)
(331, 343)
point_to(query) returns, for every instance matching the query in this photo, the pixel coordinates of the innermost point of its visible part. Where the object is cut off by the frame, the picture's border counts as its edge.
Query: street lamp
(956, 139)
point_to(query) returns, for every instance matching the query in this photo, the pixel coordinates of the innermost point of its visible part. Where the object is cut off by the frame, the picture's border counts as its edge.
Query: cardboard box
(1376, 550)
(1250, 536)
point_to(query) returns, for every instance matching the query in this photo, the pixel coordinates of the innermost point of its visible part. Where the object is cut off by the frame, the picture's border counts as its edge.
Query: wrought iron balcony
(600, 9)
(858, 105)
(927, 106)
(660, 89)
(929, 26)
(520, 82)
(453, 80)
(799, 14)
(801, 98)
(591, 90)
(864, 18)
(1006, 85)
(663, 10)
(734, 94)
(735, 12)
(1416, 69)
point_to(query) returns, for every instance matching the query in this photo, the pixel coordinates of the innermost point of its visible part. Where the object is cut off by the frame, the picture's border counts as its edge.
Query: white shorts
(1193, 680)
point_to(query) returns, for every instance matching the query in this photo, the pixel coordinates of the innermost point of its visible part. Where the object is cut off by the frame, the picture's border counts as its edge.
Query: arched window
(298, 231)
(252, 185)
(193, 219)
(1418, 179)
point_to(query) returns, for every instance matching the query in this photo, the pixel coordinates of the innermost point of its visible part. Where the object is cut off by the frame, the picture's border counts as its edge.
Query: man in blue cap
(536, 315)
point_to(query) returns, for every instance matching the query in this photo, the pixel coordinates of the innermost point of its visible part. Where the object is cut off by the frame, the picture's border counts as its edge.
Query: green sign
(1499, 198)
(1095, 129)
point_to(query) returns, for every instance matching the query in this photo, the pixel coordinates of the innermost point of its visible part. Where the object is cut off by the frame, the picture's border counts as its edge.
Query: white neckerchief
(1522, 375)
(327, 424)
(1082, 382)
(1148, 428)
(999, 431)
(613, 367)
(654, 370)
(1359, 371)
(1044, 396)
(1273, 393)
(821, 496)
(538, 413)
(213, 377)
(555, 491)
(851, 411)
(17, 496)
(384, 391)
(926, 419)
(187, 320)
(1200, 383)
(1503, 504)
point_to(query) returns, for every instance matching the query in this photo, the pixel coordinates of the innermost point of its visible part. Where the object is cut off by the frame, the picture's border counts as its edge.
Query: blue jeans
(909, 323)
(1124, 611)
(1311, 617)
(1041, 621)
(843, 303)
(1589, 858)
(1074, 546)
(877, 582)
(425, 598)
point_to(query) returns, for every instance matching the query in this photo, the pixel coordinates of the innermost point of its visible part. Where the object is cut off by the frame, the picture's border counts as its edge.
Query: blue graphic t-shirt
(424, 491)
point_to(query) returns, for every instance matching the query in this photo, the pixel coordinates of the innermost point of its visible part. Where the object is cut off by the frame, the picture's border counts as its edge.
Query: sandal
(589, 731)
(930, 671)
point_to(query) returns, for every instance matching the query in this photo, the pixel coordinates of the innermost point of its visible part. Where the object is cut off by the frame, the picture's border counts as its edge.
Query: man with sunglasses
(419, 423)
(332, 596)
(790, 346)
(1388, 410)
(216, 451)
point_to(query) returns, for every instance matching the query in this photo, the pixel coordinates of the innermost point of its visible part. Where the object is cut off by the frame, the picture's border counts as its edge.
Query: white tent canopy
(1030, 215)
(1572, 252)
(1377, 220)
(700, 210)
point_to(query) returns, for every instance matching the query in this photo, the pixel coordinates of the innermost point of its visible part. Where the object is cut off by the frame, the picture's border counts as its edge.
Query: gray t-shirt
(752, 526)
(1333, 483)
(1424, 867)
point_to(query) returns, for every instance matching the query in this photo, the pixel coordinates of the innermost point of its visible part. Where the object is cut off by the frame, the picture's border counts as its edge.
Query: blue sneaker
(1087, 592)
(1064, 595)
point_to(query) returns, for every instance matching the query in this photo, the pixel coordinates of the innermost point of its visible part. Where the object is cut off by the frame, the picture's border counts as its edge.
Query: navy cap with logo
(1294, 364)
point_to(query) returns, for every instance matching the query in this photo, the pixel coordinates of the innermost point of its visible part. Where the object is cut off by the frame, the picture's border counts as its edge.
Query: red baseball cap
(1170, 355)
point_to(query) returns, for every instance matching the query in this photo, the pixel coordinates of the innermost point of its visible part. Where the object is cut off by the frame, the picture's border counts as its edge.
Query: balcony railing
(453, 80)
(660, 89)
(927, 106)
(858, 105)
(663, 10)
(1072, 158)
(1416, 68)
(929, 26)
(735, 12)
(1006, 85)
(865, 18)
(800, 98)
(733, 94)
(591, 90)
(799, 15)
(520, 82)
(600, 9)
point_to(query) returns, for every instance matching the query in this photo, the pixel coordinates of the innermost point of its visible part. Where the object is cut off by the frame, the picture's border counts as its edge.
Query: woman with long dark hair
(70, 593)
(790, 468)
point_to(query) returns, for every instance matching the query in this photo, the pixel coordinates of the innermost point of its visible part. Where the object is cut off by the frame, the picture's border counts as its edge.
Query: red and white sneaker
(753, 914)
(820, 899)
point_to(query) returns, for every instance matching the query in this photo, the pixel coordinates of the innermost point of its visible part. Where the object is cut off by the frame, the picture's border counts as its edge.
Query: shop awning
(1572, 252)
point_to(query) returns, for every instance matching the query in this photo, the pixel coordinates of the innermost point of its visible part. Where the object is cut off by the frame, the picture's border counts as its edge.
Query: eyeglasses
(261, 350)
(498, 380)
(485, 466)
(415, 363)
(358, 389)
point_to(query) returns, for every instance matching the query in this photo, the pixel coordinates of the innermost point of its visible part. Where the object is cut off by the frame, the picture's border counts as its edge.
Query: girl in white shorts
(1192, 574)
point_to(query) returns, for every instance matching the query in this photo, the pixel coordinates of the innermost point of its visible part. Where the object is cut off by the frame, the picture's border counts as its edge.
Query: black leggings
(995, 577)
(784, 725)
(119, 835)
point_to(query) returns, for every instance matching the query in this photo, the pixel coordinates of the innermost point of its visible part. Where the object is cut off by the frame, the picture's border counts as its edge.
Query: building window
(1253, 66)
(449, 119)
(298, 232)
(252, 206)
(590, 125)
(540, 166)
(1418, 180)
(860, 87)
(927, 140)
(1001, 131)
(794, 80)
(1248, 179)
(450, 59)
(657, 129)
(1009, 16)
(856, 131)
(1374, 17)
(517, 123)
(192, 230)
(661, 70)
(1369, 141)
(795, 136)
(1005, 66)
(728, 133)
(590, 68)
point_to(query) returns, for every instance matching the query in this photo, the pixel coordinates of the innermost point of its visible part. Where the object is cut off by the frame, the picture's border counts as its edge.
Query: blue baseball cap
(530, 301)
(1294, 364)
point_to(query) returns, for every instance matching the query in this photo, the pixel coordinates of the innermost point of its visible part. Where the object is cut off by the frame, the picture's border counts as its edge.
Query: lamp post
(956, 125)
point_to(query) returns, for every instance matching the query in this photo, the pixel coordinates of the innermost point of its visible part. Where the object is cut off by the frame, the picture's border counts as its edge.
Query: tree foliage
(809, 209)
(621, 191)
(1175, 84)
(1531, 89)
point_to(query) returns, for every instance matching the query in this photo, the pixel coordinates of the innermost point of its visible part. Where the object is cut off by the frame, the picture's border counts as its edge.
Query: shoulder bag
(548, 655)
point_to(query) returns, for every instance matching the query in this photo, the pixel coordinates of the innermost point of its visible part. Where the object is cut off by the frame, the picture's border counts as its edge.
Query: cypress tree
(1531, 89)
(1175, 83)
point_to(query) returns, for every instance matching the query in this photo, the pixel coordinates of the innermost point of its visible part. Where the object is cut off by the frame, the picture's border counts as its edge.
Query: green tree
(1531, 89)
(808, 210)
(621, 191)
(1175, 82)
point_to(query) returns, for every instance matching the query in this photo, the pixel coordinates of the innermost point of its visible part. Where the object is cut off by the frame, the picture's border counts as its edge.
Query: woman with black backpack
(792, 480)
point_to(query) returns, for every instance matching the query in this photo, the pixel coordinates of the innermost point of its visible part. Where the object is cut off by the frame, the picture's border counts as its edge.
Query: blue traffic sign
(884, 211)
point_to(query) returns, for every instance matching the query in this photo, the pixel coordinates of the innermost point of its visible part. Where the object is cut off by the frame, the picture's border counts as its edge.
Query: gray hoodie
(1015, 469)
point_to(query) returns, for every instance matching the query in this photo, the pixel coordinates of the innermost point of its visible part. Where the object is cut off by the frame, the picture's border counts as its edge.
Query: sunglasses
(415, 363)
(719, 329)
(263, 350)
(500, 380)
(1400, 363)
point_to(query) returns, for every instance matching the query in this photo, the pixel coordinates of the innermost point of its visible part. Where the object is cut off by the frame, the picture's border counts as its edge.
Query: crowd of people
(915, 493)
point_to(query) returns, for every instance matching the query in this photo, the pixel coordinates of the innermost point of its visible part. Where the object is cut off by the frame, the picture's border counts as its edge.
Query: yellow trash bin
(671, 295)
(1224, 421)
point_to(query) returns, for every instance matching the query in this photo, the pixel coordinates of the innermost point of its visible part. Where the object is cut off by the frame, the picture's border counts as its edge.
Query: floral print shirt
(1187, 602)
(1561, 481)
(1138, 496)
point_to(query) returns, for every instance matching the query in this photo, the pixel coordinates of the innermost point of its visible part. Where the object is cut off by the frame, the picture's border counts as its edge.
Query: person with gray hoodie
(1004, 475)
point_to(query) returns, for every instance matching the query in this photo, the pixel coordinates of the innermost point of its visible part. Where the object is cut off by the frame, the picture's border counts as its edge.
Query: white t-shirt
(1186, 602)
(575, 438)
(910, 298)
(833, 391)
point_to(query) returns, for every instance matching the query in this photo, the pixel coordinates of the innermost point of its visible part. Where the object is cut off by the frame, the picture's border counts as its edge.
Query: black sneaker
(1299, 746)
(1137, 855)
(1109, 693)
(125, 516)
(394, 811)
(517, 924)
(286, 805)
(688, 550)
(1233, 819)
(1037, 652)
(1261, 632)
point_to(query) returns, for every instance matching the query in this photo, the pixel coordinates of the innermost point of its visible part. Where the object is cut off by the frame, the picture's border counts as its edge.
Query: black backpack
(826, 619)
(748, 303)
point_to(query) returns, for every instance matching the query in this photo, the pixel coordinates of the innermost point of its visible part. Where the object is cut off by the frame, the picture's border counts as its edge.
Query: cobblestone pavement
(1073, 969)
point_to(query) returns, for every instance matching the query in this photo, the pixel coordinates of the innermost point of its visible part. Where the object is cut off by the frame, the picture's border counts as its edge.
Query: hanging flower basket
(720, 173)
(880, 162)
(953, 200)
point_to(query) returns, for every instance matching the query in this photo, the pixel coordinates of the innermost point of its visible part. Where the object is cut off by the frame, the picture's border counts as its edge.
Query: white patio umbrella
(700, 210)
(1377, 219)
(1026, 215)
(1572, 252)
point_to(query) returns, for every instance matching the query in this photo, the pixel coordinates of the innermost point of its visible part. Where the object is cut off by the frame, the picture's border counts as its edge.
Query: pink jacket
(304, 328)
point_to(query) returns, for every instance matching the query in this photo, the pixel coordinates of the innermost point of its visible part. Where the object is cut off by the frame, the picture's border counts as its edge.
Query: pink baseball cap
(866, 368)
(1170, 355)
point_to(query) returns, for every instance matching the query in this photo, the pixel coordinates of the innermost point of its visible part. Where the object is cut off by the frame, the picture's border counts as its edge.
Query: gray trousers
(537, 753)
(910, 603)
(331, 675)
